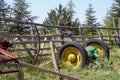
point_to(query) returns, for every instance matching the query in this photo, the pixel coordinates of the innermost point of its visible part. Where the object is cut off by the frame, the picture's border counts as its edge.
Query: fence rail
(58, 39)
(109, 40)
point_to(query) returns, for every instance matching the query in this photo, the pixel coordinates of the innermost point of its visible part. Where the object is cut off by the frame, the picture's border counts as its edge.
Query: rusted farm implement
(7, 21)
(71, 54)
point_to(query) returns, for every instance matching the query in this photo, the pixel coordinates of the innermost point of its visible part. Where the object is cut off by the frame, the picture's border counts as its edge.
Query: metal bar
(29, 36)
(2, 57)
(8, 71)
(48, 71)
(32, 24)
(22, 49)
(35, 41)
(42, 36)
(41, 55)
(55, 26)
(6, 60)
(8, 54)
(24, 45)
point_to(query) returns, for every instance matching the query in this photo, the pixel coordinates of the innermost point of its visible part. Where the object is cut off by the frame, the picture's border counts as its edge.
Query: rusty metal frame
(12, 57)
(7, 56)
(24, 22)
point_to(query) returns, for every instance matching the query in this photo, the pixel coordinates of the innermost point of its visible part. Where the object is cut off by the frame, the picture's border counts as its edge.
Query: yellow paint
(71, 57)
(99, 49)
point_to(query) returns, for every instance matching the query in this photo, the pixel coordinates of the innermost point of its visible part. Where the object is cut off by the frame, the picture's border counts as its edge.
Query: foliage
(23, 6)
(109, 24)
(62, 16)
(90, 21)
(90, 17)
(115, 9)
(3, 4)
(113, 14)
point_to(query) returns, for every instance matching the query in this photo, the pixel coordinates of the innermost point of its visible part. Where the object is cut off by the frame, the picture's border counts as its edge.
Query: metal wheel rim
(10, 19)
(71, 57)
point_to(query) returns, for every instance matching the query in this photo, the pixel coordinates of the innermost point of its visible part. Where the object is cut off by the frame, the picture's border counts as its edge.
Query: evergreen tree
(70, 10)
(62, 16)
(74, 22)
(23, 6)
(115, 9)
(113, 15)
(3, 4)
(90, 17)
(90, 21)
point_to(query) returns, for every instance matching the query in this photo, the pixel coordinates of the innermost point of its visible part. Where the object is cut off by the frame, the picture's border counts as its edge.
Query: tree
(62, 16)
(23, 6)
(74, 22)
(113, 15)
(3, 4)
(90, 17)
(90, 20)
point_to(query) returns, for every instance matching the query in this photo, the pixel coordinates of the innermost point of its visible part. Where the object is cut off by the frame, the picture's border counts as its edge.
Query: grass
(110, 70)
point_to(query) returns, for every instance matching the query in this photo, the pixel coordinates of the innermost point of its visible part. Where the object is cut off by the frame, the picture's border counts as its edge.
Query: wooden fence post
(59, 38)
(100, 34)
(81, 34)
(118, 27)
(43, 45)
(54, 58)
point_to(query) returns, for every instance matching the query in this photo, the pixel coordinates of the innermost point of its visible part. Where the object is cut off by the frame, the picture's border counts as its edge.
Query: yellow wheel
(102, 48)
(73, 54)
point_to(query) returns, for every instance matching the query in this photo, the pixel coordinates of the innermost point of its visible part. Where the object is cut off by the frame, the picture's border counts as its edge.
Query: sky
(40, 8)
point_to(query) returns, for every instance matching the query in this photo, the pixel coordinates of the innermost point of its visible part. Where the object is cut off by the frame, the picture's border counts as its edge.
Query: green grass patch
(110, 70)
